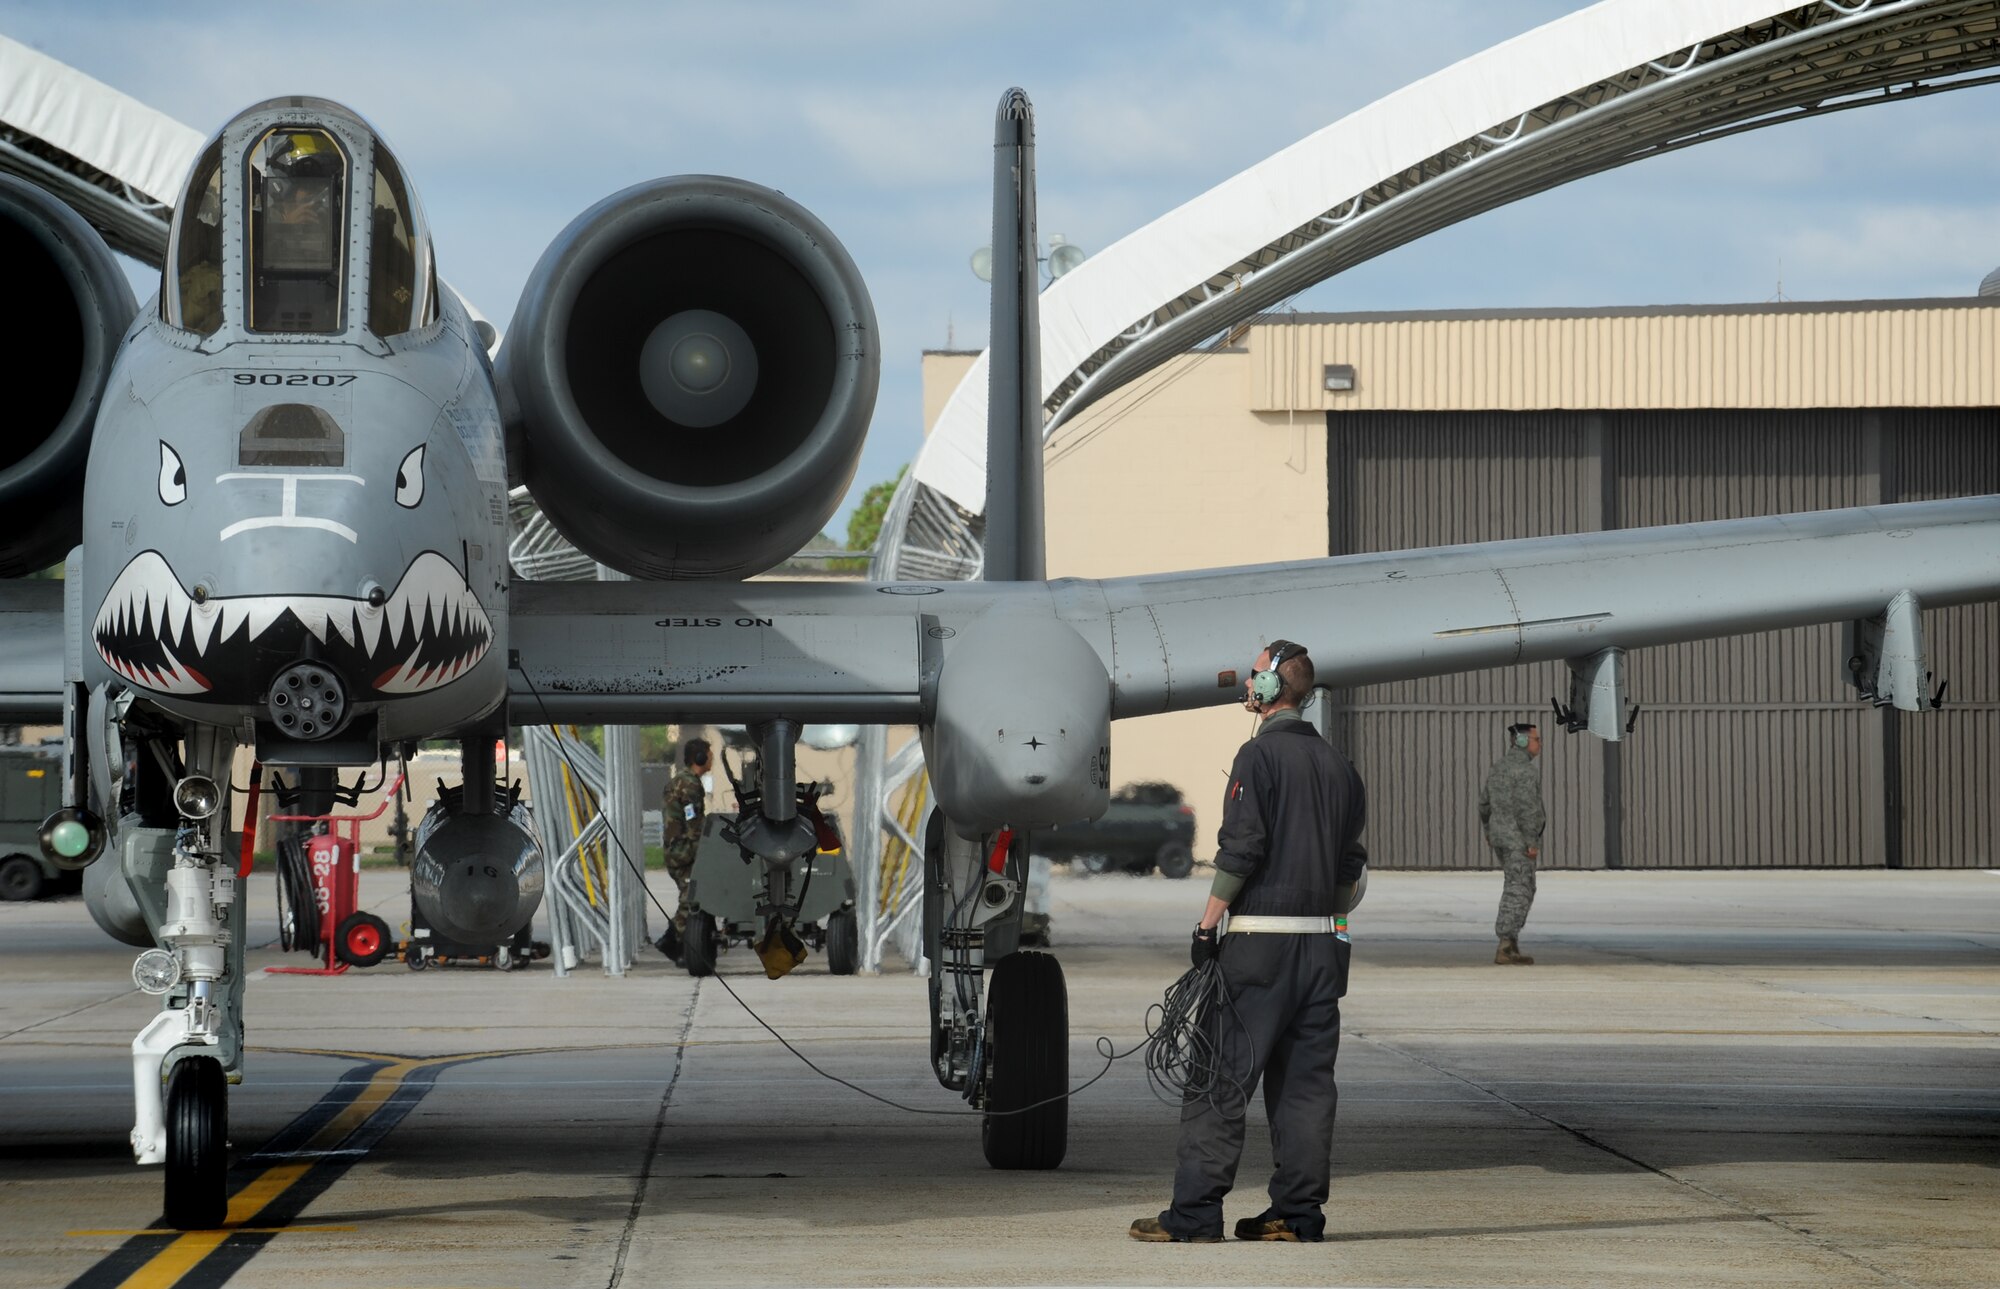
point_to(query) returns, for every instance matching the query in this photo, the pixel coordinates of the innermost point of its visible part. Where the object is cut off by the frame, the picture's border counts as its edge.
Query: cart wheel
(197, 1173)
(843, 943)
(362, 940)
(1027, 1041)
(503, 958)
(20, 878)
(699, 945)
(413, 957)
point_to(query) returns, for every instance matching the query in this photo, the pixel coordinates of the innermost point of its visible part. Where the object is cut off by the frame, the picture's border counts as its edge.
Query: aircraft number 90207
(319, 379)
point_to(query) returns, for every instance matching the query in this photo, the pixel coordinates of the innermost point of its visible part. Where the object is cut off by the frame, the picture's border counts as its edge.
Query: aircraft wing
(647, 651)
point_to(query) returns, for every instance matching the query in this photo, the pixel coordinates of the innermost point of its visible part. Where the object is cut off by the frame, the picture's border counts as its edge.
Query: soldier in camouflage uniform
(680, 826)
(1510, 809)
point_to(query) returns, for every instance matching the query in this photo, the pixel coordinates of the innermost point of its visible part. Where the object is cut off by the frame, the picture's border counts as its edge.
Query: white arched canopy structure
(1618, 82)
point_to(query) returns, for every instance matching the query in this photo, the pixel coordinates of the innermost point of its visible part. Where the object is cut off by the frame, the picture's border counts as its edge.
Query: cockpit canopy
(276, 243)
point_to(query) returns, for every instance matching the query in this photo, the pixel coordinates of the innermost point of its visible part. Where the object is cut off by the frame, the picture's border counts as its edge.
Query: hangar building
(1313, 434)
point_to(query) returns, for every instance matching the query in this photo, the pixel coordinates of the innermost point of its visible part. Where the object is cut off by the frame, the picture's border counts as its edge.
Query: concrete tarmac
(1707, 1079)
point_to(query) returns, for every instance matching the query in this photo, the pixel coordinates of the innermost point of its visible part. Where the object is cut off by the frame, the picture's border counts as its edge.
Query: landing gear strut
(1010, 1058)
(186, 887)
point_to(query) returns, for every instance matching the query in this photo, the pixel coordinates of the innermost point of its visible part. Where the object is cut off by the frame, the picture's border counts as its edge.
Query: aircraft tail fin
(1014, 530)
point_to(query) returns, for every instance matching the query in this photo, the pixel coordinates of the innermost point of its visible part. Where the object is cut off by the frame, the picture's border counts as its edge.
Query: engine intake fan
(692, 370)
(61, 275)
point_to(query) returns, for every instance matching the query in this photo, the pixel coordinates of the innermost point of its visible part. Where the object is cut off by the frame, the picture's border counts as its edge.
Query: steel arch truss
(1806, 61)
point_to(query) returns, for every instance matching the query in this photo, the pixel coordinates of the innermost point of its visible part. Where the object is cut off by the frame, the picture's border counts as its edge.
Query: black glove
(1204, 947)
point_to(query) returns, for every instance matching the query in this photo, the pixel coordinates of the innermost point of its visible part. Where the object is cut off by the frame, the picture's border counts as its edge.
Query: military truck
(30, 791)
(1146, 826)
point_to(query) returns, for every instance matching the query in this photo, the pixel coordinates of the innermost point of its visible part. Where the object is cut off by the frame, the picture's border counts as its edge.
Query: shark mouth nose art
(428, 632)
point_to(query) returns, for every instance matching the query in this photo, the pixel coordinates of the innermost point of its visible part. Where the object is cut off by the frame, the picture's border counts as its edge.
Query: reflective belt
(1259, 924)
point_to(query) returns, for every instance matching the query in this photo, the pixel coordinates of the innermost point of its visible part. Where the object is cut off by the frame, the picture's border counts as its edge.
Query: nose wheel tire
(698, 945)
(197, 1174)
(843, 943)
(362, 940)
(1027, 1044)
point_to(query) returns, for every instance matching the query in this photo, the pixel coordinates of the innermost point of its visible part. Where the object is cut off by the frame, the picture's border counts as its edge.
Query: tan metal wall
(1750, 752)
(1896, 353)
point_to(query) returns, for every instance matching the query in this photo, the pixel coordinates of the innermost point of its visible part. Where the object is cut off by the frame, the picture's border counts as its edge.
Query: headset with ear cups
(1520, 733)
(1266, 686)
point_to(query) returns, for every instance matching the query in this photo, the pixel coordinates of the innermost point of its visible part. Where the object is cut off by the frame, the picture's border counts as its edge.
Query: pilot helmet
(301, 147)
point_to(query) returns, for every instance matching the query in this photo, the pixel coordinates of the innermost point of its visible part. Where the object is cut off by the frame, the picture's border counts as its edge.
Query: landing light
(197, 796)
(156, 971)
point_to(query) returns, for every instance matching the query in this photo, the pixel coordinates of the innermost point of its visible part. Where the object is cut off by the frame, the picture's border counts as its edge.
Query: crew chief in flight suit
(1288, 861)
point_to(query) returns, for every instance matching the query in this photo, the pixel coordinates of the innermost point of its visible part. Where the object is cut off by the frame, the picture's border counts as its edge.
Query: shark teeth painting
(425, 634)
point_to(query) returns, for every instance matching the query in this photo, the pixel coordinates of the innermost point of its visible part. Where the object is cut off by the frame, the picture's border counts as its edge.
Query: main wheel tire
(362, 940)
(20, 878)
(698, 946)
(1175, 860)
(1027, 1044)
(197, 1174)
(843, 943)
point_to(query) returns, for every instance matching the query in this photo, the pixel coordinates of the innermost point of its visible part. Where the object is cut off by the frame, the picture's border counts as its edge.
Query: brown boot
(1149, 1230)
(1509, 954)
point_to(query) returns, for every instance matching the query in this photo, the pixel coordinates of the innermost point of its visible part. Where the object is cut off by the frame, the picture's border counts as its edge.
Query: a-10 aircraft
(282, 487)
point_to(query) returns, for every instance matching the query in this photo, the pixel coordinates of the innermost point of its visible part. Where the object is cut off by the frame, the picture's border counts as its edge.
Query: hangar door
(1750, 752)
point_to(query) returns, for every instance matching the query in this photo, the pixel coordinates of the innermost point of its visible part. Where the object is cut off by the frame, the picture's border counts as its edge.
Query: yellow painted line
(269, 1184)
(176, 1260)
(235, 1230)
(166, 1267)
(188, 1248)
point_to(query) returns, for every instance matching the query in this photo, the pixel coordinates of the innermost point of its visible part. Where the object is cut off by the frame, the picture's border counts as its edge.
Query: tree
(864, 524)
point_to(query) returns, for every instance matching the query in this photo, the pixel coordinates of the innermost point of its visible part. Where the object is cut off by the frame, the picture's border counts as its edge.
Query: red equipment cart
(348, 937)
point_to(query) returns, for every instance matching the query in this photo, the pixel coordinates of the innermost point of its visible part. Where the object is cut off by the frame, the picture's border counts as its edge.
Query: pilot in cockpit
(295, 206)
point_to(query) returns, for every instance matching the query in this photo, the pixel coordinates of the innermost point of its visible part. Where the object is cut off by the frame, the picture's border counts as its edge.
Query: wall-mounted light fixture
(1339, 377)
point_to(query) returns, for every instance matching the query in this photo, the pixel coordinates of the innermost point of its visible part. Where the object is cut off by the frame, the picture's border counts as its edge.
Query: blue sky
(877, 115)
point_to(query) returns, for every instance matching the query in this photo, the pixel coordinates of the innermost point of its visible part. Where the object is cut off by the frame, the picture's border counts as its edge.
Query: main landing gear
(1011, 1058)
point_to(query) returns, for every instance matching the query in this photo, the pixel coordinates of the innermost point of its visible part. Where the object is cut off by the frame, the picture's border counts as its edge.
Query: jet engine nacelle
(476, 878)
(70, 305)
(1022, 734)
(691, 369)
